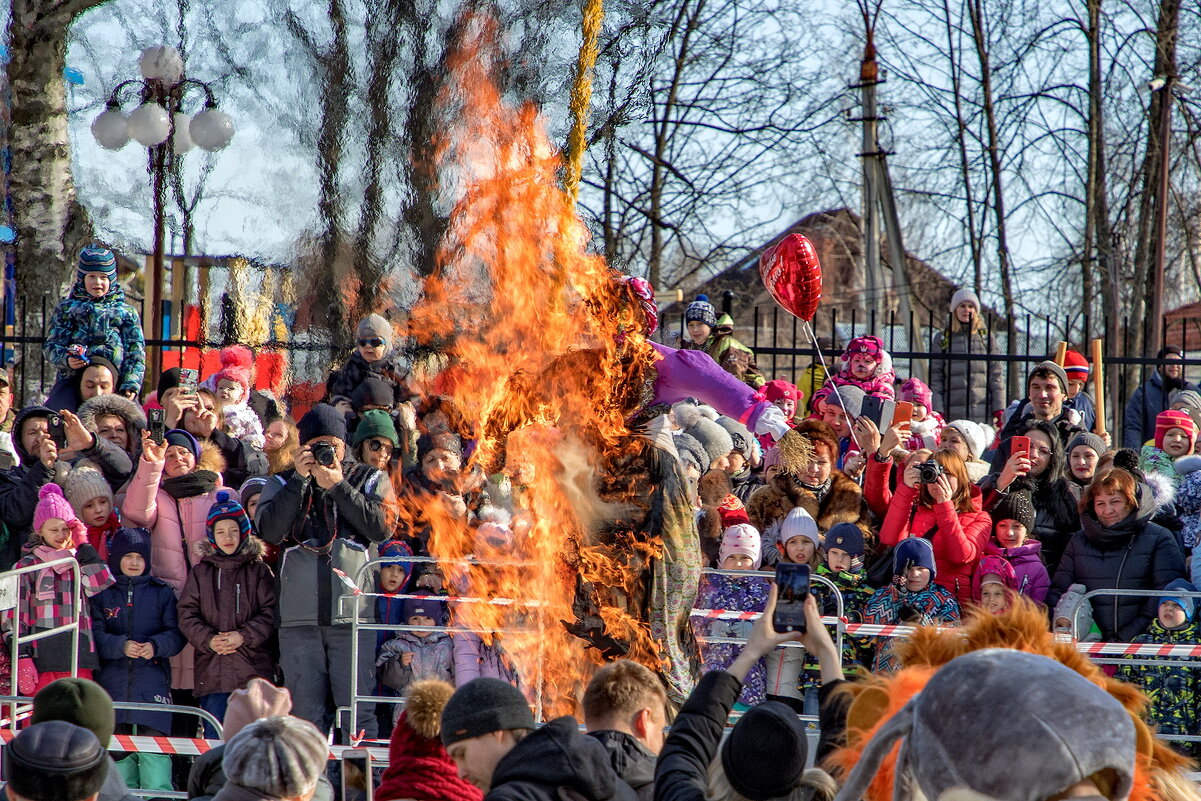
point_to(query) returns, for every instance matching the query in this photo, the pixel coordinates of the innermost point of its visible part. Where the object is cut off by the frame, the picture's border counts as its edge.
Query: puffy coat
(554, 762)
(958, 539)
(1055, 515)
(476, 659)
(105, 326)
(1134, 554)
(967, 388)
(433, 658)
(354, 371)
(741, 594)
(894, 604)
(229, 593)
(141, 609)
(117, 406)
(1033, 581)
(1173, 690)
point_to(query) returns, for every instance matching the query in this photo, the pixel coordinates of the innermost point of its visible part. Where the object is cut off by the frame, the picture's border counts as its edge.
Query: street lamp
(160, 125)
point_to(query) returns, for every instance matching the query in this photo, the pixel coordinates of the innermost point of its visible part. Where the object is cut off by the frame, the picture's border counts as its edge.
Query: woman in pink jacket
(946, 512)
(170, 494)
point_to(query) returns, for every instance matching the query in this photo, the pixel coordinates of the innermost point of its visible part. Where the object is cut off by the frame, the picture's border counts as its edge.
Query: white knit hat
(799, 523)
(965, 294)
(973, 432)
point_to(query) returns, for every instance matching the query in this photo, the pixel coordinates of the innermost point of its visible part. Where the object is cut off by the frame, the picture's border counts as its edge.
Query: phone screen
(356, 775)
(188, 379)
(792, 583)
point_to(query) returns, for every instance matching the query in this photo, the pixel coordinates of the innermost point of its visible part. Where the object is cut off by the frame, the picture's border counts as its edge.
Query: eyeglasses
(371, 343)
(376, 445)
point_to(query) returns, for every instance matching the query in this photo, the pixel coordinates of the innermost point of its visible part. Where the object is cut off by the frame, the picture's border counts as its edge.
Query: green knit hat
(375, 423)
(78, 701)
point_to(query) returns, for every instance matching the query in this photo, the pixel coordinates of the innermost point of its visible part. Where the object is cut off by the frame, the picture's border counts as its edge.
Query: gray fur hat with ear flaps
(1061, 730)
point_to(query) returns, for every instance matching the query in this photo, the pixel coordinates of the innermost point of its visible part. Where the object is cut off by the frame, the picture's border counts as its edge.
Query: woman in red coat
(945, 511)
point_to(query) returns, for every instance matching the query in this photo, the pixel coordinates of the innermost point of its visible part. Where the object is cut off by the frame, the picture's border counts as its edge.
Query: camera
(929, 471)
(323, 452)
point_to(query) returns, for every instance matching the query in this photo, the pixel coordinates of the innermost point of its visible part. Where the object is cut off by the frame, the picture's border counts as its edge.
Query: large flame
(548, 362)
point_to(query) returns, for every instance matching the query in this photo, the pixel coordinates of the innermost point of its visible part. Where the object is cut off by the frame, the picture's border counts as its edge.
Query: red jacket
(958, 540)
(876, 489)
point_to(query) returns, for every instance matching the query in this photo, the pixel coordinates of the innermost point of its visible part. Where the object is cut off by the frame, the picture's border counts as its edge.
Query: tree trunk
(964, 162)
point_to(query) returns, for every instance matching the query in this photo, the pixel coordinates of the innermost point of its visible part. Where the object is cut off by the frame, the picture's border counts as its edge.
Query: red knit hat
(418, 765)
(1075, 365)
(1172, 418)
(781, 390)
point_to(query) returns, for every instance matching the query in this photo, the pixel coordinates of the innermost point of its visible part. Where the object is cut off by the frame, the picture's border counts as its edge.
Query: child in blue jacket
(136, 633)
(395, 568)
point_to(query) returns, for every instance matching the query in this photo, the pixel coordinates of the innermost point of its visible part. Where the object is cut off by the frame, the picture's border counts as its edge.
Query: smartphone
(57, 432)
(356, 775)
(188, 380)
(157, 418)
(1019, 444)
(903, 414)
(792, 585)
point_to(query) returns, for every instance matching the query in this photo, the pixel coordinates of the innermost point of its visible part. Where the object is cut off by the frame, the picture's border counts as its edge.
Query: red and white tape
(190, 746)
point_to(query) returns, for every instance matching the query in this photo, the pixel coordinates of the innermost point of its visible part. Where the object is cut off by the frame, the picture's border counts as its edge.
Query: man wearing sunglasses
(373, 357)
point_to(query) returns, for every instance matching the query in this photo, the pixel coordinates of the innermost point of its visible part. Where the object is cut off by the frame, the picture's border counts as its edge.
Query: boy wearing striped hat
(95, 321)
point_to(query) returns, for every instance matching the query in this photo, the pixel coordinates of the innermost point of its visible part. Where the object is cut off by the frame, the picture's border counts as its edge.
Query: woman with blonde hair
(972, 387)
(281, 441)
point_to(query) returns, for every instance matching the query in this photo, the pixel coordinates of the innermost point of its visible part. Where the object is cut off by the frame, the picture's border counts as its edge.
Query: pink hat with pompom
(52, 504)
(237, 362)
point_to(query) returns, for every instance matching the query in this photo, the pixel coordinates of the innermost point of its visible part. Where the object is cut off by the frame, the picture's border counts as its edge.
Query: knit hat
(691, 451)
(1076, 608)
(322, 420)
(227, 508)
(51, 505)
(1053, 368)
(97, 259)
(80, 701)
(1017, 506)
(375, 326)
(780, 390)
(83, 484)
(973, 433)
(1189, 605)
(916, 392)
(1190, 400)
(443, 441)
(237, 362)
(426, 606)
(251, 488)
(701, 310)
(1075, 365)
(168, 381)
(100, 359)
(741, 540)
(375, 423)
(846, 537)
(993, 569)
(799, 523)
(764, 756)
(279, 756)
(1050, 716)
(716, 441)
(258, 699)
(184, 439)
(1088, 439)
(965, 294)
(127, 541)
(739, 435)
(373, 391)
(418, 765)
(1172, 418)
(482, 706)
(55, 761)
(851, 397)
(872, 346)
(914, 552)
(397, 552)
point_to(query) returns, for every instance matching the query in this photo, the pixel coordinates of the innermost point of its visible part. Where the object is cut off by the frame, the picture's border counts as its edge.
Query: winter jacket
(229, 592)
(1134, 554)
(117, 406)
(46, 602)
(1172, 689)
(433, 658)
(631, 761)
(242, 459)
(1055, 515)
(1138, 422)
(1033, 580)
(1188, 506)
(294, 509)
(109, 458)
(315, 577)
(1153, 460)
(958, 538)
(740, 594)
(475, 659)
(343, 381)
(967, 388)
(857, 650)
(895, 605)
(557, 762)
(840, 501)
(734, 357)
(19, 488)
(106, 326)
(137, 609)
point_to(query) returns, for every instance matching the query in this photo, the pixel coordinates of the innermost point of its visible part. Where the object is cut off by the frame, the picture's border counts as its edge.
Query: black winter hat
(168, 381)
(764, 756)
(322, 420)
(482, 706)
(373, 391)
(443, 440)
(1017, 506)
(846, 537)
(55, 761)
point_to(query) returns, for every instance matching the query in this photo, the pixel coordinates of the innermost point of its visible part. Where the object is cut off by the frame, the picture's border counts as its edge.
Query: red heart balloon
(792, 274)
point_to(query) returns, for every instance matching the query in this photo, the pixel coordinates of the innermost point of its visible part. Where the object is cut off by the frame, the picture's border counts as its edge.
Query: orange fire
(548, 365)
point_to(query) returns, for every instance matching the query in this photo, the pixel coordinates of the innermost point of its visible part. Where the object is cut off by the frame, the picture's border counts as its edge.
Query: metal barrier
(1099, 658)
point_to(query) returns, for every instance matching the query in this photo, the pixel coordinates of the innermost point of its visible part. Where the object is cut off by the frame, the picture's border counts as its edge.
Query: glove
(85, 554)
(27, 676)
(772, 422)
(79, 533)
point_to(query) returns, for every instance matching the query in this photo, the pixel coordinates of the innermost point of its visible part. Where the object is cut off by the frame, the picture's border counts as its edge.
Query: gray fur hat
(1070, 730)
(691, 451)
(278, 756)
(118, 406)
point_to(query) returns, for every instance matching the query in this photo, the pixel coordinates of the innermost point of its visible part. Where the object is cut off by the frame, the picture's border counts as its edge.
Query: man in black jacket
(490, 734)
(625, 709)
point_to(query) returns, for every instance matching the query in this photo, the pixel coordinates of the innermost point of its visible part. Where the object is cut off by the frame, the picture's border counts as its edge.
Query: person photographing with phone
(201, 413)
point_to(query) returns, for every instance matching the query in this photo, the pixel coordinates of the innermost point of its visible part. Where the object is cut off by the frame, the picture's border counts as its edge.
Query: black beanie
(169, 380)
(55, 761)
(80, 701)
(322, 420)
(764, 756)
(443, 440)
(97, 360)
(1016, 506)
(482, 706)
(372, 392)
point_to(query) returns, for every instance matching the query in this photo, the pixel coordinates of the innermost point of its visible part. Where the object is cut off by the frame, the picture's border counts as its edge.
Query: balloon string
(829, 379)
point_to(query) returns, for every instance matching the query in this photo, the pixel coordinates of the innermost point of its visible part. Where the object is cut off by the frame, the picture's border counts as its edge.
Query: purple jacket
(1026, 559)
(694, 374)
(475, 659)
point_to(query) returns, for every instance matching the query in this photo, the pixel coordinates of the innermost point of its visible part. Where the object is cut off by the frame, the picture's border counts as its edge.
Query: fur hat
(80, 701)
(83, 484)
(741, 540)
(227, 507)
(846, 537)
(51, 505)
(322, 420)
(914, 552)
(55, 761)
(237, 364)
(1017, 506)
(691, 451)
(764, 756)
(279, 756)
(739, 434)
(97, 259)
(258, 699)
(1166, 420)
(1072, 729)
(482, 706)
(965, 294)
(702, 311)
(374, 326)
(1187, 603)
(915, 391)
(973, 433)
(116, 406)
(716, 441)
(127, 541)
(799, 523)
(418, 765)
(1074, 607)
(1075, 365)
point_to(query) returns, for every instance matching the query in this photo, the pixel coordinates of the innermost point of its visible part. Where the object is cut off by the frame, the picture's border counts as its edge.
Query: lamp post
(160, 125)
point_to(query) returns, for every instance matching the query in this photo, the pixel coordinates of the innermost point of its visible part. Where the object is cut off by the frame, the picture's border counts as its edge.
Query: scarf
(101, 536)
(189, 485)
(48, 554)
(819, 491)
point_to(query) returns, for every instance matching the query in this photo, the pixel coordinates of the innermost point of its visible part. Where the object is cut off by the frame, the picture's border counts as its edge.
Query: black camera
(929, 471)
(324, 453)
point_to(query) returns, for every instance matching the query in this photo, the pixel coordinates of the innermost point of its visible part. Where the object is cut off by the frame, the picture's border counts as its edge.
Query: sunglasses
(371, 343)
(376, 445)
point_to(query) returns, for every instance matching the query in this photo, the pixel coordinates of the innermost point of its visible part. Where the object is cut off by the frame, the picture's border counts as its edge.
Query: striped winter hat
(227, 508)
(97, 259)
